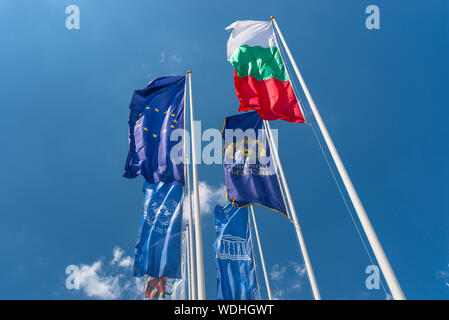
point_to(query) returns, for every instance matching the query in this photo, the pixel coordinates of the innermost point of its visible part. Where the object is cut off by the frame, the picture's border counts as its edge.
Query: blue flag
(158, 248)
(155, 112)
(249, 172)
(236, 275)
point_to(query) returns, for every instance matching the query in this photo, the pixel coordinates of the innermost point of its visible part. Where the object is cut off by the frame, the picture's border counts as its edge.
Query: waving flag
(249, 171)
(162, 288)
(236, 275)
(260, 78)
(165, 288)
(155, 112)
(158, 248)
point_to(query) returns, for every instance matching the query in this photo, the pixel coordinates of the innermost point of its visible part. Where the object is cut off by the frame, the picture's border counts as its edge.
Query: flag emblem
(249, 180)
(157, 288)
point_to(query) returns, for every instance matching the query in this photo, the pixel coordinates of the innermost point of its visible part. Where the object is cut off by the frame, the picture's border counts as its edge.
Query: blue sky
(64, 100)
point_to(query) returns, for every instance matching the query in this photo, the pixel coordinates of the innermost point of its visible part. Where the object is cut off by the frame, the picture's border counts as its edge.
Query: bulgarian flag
(260, 78)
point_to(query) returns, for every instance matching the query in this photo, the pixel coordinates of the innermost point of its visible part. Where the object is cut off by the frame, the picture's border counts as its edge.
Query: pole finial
(189, 71)
(272, 17)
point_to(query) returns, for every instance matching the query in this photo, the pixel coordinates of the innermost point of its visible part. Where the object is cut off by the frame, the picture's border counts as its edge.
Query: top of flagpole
(272, 17)
(201, 289)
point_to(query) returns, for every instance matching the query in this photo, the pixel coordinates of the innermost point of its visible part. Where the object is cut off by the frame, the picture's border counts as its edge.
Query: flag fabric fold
(250, 173)
(155, 112)
(158, 248)
(236, 274)
(261, 80)
(165, 288)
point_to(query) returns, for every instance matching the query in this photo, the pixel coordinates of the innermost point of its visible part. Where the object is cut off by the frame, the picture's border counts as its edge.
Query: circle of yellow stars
(139, 123)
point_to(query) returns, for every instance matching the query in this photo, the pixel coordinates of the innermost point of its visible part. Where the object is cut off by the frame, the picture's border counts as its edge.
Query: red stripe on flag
(272, 99)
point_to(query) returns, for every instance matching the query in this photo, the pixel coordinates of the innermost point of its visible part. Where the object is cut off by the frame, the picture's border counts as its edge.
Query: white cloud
(278, 294)
(173, 57)
(126, 262)
(96, 285)
(300, 269)
(117, 254)
(444, 276)
(119, 260)
(176, 58)
(287, 280)
(277, 272)
(110, 281)
(210, 196)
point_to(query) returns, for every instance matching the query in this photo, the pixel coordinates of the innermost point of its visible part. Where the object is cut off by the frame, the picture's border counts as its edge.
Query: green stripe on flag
(260, 63)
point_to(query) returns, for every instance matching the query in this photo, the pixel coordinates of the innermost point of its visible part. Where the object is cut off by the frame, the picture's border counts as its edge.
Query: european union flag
(155, 112)
(250, 174)
(236, 274)
(158, 248)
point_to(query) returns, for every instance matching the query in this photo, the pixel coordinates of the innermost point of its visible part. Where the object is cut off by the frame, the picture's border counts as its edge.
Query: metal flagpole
(267, 282)
(382, 259)
(196, 200)
(189, 271)
(191, 241)
(302, 243)
(192, 275)
(145, 280)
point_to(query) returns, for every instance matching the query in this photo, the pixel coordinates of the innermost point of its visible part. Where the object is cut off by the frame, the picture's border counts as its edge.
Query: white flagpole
(196, 200)
(267, 282)
(302, 243)
(189, 270)
(191, 253)
(145, 278)
(192, 274)
(382, 259)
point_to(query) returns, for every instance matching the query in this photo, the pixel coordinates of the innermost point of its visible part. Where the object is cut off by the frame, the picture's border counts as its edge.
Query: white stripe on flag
(251, 33)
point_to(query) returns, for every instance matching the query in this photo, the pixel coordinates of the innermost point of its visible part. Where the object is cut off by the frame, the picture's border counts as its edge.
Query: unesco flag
(158, 248)
(249, 170)
(236, 275)
(155, 112)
